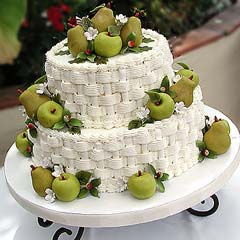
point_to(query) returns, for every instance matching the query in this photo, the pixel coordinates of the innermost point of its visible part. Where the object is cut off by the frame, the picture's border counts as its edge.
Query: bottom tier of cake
(114, 155)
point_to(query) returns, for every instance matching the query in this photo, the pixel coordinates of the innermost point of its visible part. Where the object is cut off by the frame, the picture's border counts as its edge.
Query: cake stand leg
(209, 212)
(60, 231)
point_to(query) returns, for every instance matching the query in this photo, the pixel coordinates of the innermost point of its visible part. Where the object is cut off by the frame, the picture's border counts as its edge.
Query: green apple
(161, 105)
(41, 180)
(66, 187)
(23, 144)
(142, 185)
(188, 73)
(107, 46)
(49, 113)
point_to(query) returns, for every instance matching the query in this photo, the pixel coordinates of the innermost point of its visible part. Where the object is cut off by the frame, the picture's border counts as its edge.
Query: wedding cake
(122, 107)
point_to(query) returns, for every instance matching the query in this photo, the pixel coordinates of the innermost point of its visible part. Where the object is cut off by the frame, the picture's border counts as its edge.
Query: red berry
(28, 149)
(30, 126)
(131, 44)
(205, 152)
(88, 51)
(137, 14)
(89, 186)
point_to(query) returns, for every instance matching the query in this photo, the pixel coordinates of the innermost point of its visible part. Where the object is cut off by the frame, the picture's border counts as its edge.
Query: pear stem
(216, 119)
(53, 111)
(32, 167)
(139, 173)
(19, 91)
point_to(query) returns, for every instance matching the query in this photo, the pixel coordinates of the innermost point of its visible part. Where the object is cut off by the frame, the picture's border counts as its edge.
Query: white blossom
(78, 20)
(180, 107)
(42, 89)
(58, 170)
(50, 197)
(176, 78)
(143, 113)
(44, 14)
(121, 18)
(91, 33)
(46, 162)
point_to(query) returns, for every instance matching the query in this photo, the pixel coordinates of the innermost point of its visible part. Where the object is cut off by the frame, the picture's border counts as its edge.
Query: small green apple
(49, 113)
(107, 46)
(66, 187)
(188, 73)
(161, 105)
(23, 144)
(142, 185)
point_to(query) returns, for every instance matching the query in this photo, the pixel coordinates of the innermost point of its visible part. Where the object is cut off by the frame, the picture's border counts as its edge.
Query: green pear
(31, 100)
(49, 113)
(77, 42)
(103, 19)
(41, 180)
(133, 25)
(184, 90)
(23, 145)
(142, 185)
(66, 187)
(161, 105)
(188, 73)
(226, 124)
(107, 46)
(217, 138)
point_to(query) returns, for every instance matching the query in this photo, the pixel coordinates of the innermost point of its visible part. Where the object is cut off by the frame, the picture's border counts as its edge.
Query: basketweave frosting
(115, 154)
(108, 95)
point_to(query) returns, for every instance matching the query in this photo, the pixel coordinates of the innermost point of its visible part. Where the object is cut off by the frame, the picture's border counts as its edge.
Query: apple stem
(139, 173)
(157, 103)
(191, 77)
(32, 167)
(62, 177)
(53, 111)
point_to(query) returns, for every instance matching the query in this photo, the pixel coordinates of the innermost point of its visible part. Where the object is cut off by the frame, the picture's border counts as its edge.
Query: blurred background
(30, 28)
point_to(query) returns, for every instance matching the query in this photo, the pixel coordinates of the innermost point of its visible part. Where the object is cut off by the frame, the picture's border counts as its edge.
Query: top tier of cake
(108, 95)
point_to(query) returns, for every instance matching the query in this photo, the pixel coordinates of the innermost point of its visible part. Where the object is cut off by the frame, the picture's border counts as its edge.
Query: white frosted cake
(112, 115)
(106, 97)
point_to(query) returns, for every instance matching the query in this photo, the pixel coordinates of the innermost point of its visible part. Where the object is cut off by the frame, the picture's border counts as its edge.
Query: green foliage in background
(37, 35)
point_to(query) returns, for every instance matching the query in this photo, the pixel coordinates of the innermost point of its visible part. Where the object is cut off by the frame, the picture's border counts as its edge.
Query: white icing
(109, 95)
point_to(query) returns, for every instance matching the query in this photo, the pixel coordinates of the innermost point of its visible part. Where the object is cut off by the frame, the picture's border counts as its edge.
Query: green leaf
(91, 58)
(154, 96)
(152, 170)
(59, 125)
(61, 52)
(200, 144)
(131, 37)
(124, 50)
(165, 83)
(200, 157)
(65, 44)
(66, 112)
(33, 132)
(86, 23)
(12, 13)
(83, 177)
(164, 177)
(76, 60)
(156, 90)
(145, 48)
(83, 193)
(100, 60)
(134, 49)
(28, 121)
(57, 98)
(134, 124)
(147, 40)
(82, 55)
(74, 122)
(212, 155)
(147, 120)
(42, 79)
(96, 182)
(160, 185)
(97, 8)
(75, 130)
(94, 192)
(185, 66)
(114, 30)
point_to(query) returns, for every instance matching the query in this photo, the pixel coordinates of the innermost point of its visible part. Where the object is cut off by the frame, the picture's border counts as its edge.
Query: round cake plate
(121, 209)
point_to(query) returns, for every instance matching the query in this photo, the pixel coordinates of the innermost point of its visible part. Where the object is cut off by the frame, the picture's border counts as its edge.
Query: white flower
(44, 14)
(180, 107)
(121, 18)
(78, 20)
(91, 33)
(176, 78)
(143, 113)
(46, 162)
(50, 197)
(58, 170)
(42, 89)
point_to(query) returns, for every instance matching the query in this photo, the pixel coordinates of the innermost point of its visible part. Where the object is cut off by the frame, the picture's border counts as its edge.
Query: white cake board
(115, 210)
